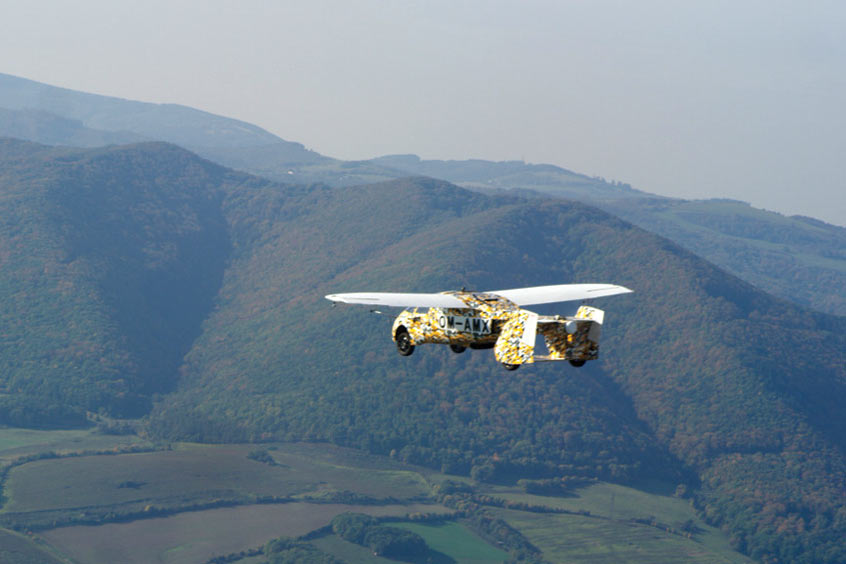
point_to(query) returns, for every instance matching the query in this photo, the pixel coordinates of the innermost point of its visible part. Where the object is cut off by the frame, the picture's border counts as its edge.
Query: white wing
(560, 293)
(398, 300)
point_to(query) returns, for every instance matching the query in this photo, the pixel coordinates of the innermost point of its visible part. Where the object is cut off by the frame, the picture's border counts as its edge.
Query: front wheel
(510, 366)
(404, 346)
(577, 363)
(457, 349)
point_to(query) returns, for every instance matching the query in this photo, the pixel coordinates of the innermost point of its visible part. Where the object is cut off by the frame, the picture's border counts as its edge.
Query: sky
(694, 99)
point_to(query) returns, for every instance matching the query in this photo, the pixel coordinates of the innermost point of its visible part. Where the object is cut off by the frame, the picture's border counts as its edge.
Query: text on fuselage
(463, 324)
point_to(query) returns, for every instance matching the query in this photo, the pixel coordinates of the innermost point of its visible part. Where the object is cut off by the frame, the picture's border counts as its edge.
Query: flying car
(496, 320)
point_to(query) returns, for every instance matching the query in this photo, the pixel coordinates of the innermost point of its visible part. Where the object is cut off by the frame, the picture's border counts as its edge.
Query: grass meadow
(622, 503)
(16, 548)
(578, 538)
(191, 473)
(458, 542)
(15, 442)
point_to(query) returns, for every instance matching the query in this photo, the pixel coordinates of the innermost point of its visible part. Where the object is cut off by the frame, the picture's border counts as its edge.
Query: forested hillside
(110, 260)
(279, 361)
(117, 262)
(798, 259)
(743, 388)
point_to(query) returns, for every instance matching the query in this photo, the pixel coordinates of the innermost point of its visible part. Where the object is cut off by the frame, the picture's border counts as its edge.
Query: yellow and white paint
(492, 321)
(496, 320)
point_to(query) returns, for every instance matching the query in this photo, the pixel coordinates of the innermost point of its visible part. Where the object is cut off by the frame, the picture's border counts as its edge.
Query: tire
(404, 346)
(577, 363)
(457, 349)
(510, 366)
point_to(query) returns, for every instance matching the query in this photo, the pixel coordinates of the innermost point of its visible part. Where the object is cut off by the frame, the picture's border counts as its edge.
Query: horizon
(680, 101)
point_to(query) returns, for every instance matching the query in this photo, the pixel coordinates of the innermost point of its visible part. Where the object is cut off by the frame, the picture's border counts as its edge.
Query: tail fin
(516, 342)
(573, 338)
(595, 315)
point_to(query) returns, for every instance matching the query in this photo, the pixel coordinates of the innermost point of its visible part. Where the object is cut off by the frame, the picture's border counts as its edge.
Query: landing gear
(577, 363)
(404, 346)
(457, 349)
(510, 366)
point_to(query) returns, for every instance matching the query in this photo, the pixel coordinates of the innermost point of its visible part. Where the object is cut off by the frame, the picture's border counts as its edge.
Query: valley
(177, 307)
(252, 502)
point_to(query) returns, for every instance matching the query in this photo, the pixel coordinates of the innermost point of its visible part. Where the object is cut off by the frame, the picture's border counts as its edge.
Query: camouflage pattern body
(493, 321)
(516, 342)
(477, 324)
(572, 338)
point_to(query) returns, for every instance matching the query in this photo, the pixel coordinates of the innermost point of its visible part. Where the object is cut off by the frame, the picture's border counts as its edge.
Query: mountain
(507, 175)
(743, 389)
(109, 264)
(51, 129)
(142, 271)
(799, 259)
(214, 136)
(796, 258)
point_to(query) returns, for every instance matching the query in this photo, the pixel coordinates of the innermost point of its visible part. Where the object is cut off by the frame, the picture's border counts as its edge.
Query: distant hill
(51, 129)
(133, 271)
(799, 259)
(507, 175)
(207, 134)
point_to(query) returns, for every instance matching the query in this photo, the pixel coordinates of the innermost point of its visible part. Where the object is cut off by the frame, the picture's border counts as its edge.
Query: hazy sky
(683, 98)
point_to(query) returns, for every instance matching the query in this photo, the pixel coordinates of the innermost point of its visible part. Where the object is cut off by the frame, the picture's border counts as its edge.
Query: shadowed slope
(110, 261)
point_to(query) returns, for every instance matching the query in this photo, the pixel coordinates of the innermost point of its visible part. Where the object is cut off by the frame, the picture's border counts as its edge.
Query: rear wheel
(457, 349)
(577, 363)
(510, 366)
(404, 346)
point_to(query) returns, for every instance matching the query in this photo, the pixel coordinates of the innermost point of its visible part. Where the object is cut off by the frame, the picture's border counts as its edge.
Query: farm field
(197, 536)
(207, 497)
(16, 548)
(15, 442)
(191, 473)
(451, 543)
(618, 502)
(578, 538)
(457, 541)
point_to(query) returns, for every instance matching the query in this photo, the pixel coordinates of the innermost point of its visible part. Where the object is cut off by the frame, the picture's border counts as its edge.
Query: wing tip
(611, 290)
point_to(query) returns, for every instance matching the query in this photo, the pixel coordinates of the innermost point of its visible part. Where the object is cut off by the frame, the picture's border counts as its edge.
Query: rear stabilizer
(516, 342)
(572, 338)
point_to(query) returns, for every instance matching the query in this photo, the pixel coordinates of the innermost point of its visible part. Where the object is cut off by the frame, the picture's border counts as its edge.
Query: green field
(59, 490)
(18, 549)
(457, 542)
(451, 543)
(618, 502)
(609, 500)
(15, 442)
(197, 536)
(192, 473)
(576, 538)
